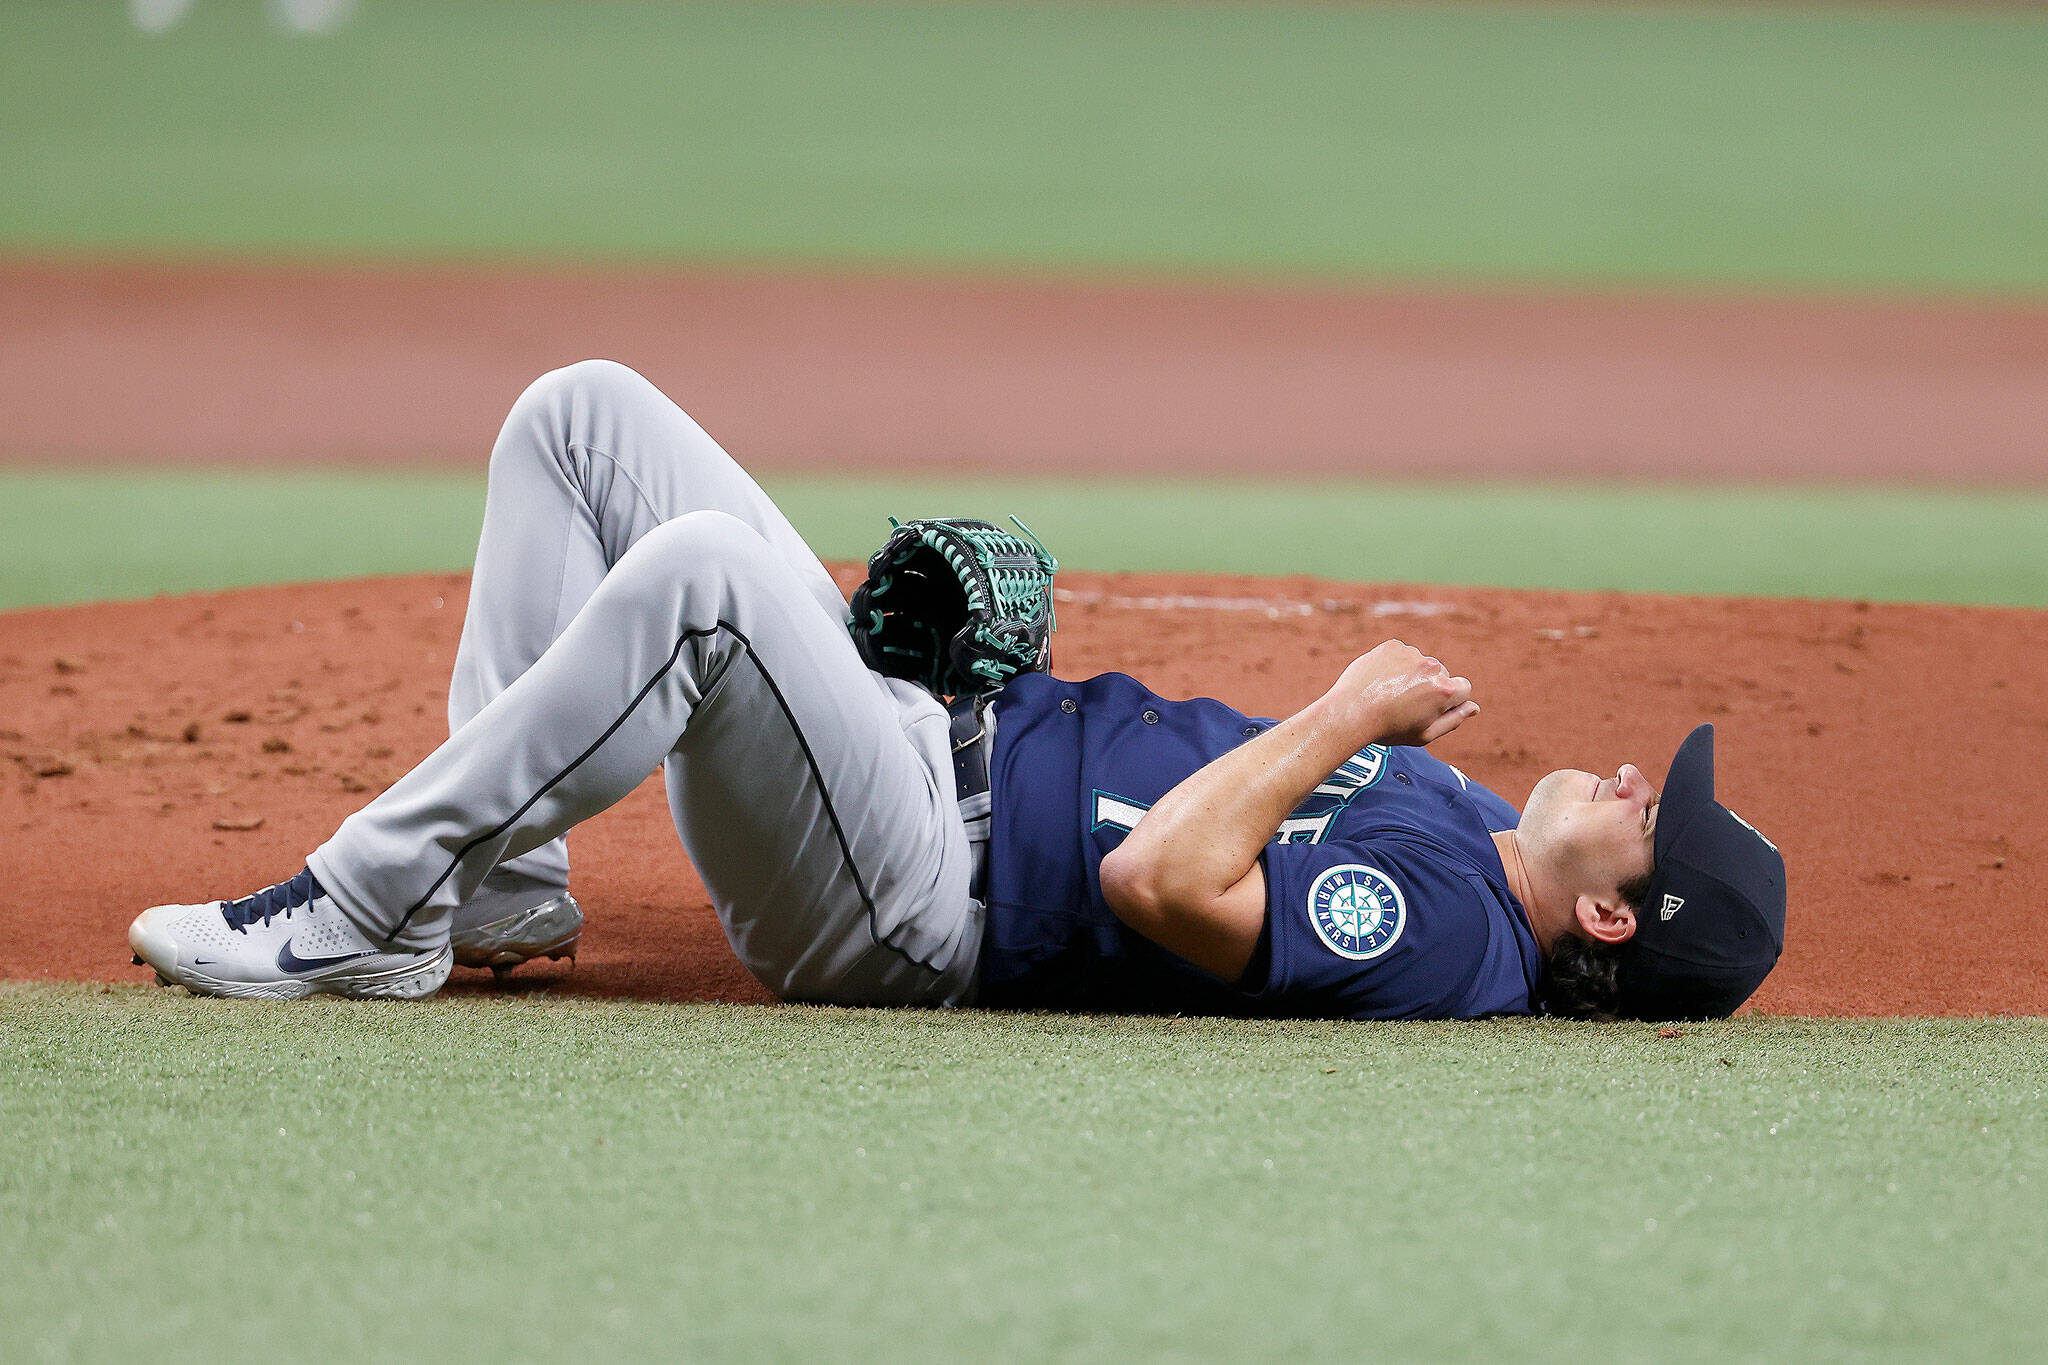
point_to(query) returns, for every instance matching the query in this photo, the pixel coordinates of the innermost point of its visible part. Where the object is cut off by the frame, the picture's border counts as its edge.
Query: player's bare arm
(1188, 877)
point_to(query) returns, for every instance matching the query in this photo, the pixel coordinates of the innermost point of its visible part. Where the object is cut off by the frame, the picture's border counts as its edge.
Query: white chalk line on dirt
(1271, 607)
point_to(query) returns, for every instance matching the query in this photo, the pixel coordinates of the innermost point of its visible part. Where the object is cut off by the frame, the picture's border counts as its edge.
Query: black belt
(970, 747)
(973, 736)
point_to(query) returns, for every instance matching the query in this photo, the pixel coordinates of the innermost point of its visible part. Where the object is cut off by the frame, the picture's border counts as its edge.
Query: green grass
(70, 537)
(1751, 145)
(131, 533)
(531, 1176)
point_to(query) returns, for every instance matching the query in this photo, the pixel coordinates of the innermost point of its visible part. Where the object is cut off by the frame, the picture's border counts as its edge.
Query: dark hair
(1582, 979)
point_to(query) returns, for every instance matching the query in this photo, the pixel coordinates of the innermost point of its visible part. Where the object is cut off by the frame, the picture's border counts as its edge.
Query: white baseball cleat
(502, 930)
(285, 942)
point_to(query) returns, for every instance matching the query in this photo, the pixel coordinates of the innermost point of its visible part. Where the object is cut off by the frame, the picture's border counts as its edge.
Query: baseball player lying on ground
(638, 602)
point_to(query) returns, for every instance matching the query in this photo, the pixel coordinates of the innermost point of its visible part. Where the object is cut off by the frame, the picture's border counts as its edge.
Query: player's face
(1592, 834)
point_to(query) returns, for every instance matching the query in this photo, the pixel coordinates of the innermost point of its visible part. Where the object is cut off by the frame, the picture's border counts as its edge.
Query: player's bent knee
(584, 385)
(595, 370)
(557, 409)
(599, 378)
(701, 547)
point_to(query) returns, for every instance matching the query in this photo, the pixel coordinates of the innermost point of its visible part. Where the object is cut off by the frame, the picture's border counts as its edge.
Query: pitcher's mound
(192, 747)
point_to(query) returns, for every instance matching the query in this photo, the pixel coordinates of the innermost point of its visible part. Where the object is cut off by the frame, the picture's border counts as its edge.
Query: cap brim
(1688, 788)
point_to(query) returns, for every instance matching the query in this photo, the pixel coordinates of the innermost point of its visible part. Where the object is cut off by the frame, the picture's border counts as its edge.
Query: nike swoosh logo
(288, 961)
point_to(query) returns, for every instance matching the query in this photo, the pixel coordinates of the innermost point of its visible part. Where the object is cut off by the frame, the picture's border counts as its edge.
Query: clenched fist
(1396, 694)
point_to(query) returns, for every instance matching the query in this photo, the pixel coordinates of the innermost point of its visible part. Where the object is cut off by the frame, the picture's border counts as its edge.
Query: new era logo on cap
(1671, 906)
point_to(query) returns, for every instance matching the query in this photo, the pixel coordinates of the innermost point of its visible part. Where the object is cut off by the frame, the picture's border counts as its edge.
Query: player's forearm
(1204, 835)
(1188, 876)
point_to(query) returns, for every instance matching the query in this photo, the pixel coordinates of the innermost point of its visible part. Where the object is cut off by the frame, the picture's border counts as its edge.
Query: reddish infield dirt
(190, 747)
(194, 363)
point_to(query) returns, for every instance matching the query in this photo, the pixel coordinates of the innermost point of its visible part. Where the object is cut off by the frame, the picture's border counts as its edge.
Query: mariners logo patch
(1357, 911)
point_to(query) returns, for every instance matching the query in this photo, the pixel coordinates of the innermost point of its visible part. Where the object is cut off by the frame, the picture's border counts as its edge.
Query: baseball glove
(955, 605)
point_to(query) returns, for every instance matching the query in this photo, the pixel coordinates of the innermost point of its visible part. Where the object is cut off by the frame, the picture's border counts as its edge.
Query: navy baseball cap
(1713, 924)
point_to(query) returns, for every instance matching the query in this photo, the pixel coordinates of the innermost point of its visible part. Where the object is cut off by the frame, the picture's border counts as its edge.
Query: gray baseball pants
(638, 602)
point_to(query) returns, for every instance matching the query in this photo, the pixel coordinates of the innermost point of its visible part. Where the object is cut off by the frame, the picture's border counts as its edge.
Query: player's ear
(1605, 919)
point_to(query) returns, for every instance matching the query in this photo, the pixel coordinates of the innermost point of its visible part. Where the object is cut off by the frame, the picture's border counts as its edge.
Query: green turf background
(519, 1178)
(1748, 145)
(67, 537)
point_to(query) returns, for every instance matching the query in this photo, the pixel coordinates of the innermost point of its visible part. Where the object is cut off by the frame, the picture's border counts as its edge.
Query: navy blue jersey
(1385, 896)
